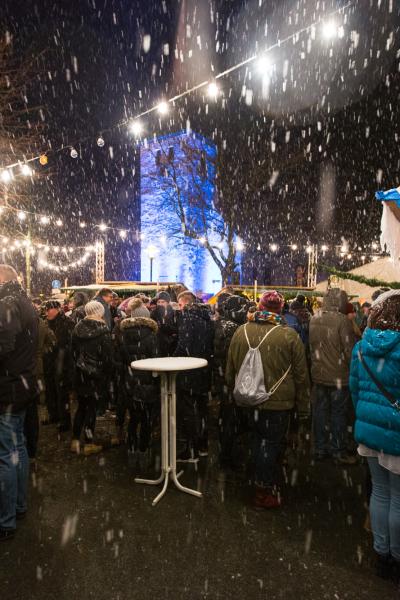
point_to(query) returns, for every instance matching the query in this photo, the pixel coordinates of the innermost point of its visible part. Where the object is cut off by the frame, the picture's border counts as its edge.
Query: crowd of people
(271, 365)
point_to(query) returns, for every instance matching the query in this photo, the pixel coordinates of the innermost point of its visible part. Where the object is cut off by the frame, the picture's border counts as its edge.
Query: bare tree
(187, 180)
(20, 122)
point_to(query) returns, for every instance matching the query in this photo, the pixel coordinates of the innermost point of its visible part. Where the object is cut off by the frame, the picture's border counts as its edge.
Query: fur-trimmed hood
(90, 328)
(137, 322)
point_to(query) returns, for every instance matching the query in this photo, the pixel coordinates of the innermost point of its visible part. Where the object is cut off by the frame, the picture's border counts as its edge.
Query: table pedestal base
(168, 440)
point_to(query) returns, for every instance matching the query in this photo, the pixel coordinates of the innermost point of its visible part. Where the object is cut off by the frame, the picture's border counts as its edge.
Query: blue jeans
(385, 509)
(268, 429)
(330, 414)
(14, 468)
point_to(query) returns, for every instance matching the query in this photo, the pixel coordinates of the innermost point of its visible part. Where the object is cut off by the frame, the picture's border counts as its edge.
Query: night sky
(301, 157)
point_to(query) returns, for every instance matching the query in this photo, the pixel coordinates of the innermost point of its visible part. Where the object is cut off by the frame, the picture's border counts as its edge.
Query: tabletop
(169, 363)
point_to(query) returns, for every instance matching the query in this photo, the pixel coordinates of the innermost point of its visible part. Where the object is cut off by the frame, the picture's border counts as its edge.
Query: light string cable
(194, 88)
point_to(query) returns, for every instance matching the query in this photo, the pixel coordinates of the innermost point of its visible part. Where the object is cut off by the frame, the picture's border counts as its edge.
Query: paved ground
(91, 532)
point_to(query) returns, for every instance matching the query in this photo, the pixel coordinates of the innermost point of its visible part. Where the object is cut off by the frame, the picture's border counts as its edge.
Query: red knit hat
(272, 301)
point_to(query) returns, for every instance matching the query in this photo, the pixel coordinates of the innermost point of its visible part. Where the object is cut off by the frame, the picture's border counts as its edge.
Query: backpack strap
(281, 380)
(389, 396)
(264, 338)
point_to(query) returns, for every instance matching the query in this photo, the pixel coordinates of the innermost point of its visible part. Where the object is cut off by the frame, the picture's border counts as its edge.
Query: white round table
(168, 368)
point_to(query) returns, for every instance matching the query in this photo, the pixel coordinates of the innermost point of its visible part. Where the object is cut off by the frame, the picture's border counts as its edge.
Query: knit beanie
(94, 309)
(163, 296)
(272, 301)
(136, 308)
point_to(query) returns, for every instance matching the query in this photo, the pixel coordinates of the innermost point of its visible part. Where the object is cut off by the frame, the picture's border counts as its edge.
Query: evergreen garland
(376, 283)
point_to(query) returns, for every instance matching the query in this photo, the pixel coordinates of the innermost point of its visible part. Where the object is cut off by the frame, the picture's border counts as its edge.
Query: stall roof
(250, 291)
(122, 286)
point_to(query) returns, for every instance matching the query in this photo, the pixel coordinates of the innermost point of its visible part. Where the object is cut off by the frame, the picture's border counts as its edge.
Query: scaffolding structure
(312, 265)
(100, 273)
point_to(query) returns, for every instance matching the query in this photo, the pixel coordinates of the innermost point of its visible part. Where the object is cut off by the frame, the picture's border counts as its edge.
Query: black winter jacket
(18, 348)
(223, 334)
(61, 361)
(166, 319)
(92, 353)
(195, 339)
(136, 339)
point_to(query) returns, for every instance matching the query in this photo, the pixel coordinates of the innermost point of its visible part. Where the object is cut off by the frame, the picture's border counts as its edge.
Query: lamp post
(152, 252)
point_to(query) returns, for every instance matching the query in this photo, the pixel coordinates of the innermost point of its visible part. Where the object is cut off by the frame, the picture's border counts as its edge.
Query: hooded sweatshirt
(377, 421)
(332, 339)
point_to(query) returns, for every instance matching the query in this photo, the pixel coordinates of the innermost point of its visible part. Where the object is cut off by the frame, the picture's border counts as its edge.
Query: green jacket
(332, 339)
(282, 348)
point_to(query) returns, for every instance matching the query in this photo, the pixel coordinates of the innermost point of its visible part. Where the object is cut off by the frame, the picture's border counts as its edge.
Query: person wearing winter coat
(59, 370)
(231, 314)
(283, 360)
(332, 339)
(165, 317)
(299, 309)
(195, 339)
(375, 390)
(80, 299)
(18, 388)
(46, 345)
(92, 352)
(105, 297)
(136, 339)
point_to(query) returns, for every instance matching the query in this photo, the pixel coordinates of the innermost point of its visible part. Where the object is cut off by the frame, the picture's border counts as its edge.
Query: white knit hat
(94, 309)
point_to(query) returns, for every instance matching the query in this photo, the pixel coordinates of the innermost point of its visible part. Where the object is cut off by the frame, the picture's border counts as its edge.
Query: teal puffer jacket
(377, 421)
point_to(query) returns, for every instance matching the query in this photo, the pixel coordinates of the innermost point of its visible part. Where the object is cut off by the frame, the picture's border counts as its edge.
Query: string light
(294, 246)
(21, 215)
(274, 247)
(213, 90)
(103, 227)
(5, 176)
(136, 128)
(26, 170)
(163, 108)
(59, 223)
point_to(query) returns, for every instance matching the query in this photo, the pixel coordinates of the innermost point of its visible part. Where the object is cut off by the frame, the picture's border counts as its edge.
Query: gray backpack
(249, 385)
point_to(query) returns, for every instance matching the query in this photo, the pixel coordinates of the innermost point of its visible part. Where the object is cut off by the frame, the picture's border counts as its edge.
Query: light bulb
(59, 223)
(102, 227)
(26, 170)
(136, 128)
(6, 176)
(274, 247)
(100, 142)
(123, 233)
(264, 65)
(21, 215)
(324, 248)
(82, 225)
(163, 108)
(44, 220)
(73, 153)
(329, 30)
(213, 90)
(294, 246)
